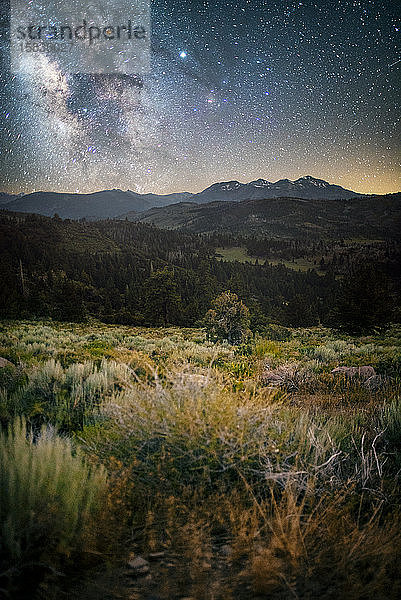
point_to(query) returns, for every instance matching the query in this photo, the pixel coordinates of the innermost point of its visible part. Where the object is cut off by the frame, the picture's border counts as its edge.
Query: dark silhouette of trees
(132, 273)
(163, 301)
(364, 302)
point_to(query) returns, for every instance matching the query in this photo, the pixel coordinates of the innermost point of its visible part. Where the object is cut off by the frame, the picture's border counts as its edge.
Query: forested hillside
(368, 217)
(134, 273)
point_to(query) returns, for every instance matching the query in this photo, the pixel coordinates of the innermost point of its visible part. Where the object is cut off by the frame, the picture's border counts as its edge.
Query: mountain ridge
(117, 203)
(102, 204)
(307, 186)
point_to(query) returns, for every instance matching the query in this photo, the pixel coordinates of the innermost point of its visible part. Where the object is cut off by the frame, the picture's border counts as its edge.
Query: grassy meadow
(240, 254)
(242, 472)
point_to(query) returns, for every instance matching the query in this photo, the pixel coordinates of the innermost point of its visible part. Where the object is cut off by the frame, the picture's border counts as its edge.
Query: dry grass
(255, 471)
(324, 551)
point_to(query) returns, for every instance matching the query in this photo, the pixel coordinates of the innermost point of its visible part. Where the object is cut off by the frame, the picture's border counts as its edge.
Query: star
(311, 99)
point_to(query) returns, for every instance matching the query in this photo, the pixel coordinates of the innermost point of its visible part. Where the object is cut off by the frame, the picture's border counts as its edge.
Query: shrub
(324, 354)
(66, 398)
(324, 551)
(290, 376)
(390, 424)
(49, 500)
(191, 431)
(228, 320)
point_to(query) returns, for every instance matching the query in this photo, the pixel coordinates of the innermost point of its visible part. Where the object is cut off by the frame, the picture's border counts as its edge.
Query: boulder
(194, 380)
(156, 555)
(139, 565)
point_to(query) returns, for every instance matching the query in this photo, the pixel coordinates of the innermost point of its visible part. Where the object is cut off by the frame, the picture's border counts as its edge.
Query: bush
(228, 320)
(66, 398)
(317, 548)
(49, 500)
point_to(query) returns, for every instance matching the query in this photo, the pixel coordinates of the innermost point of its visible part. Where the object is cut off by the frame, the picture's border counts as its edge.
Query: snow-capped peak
(260, 183)
(311, 180)
(229, 185)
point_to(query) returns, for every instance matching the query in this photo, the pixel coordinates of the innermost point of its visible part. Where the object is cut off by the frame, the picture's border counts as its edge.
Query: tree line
(132, 273)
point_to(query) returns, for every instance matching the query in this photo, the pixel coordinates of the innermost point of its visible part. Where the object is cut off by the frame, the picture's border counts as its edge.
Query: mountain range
(304, 187)
(120, 204)
(6, 198)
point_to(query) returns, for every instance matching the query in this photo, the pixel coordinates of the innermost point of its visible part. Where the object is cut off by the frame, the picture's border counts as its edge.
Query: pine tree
(365, 301)
(163, 301)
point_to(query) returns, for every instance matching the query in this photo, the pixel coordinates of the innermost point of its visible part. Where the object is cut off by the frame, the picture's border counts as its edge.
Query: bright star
(183, 54)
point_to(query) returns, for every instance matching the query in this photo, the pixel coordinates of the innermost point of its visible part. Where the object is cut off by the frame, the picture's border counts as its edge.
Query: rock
(156, 555)
(271, 376)
(194, 380)
(136, 562)
(373, 383)
(5, 363)
(226, 550)
(139, 565)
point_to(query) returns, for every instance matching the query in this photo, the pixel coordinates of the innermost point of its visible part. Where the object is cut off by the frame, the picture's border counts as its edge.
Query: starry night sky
(237, 90)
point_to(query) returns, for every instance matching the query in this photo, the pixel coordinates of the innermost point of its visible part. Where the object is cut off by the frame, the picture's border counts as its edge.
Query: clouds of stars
(237, 90)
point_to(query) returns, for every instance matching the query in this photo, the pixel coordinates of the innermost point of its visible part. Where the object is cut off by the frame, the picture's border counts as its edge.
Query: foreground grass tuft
(50, 498)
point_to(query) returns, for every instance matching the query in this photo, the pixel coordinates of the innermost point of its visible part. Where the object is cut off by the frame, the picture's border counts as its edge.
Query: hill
(305, 187)
(6, 198)
(368, 217)
(134, 273)
(99, 205)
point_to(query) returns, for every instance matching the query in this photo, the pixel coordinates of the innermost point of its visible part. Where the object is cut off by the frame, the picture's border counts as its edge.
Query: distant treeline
(132, 273)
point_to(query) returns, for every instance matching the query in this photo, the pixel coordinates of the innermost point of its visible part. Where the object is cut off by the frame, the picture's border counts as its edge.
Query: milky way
(236, 90)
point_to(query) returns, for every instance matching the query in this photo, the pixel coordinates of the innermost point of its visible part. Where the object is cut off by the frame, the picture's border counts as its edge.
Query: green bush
(66, 398)
(228, 320)
(390, 365)
(49, 500)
